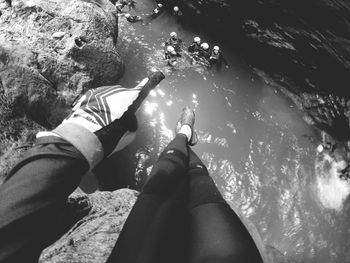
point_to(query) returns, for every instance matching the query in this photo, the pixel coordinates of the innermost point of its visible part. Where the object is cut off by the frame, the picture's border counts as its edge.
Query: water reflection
(150, 107)
(255, 144)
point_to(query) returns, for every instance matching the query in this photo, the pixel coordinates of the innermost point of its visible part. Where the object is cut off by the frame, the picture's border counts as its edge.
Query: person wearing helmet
(158, 9)
(155, 13)
(133, 19)
(171, 55)
(119, 7)
(204, 52)
(174, 41)
(216, 58)
(195, 46)
(123, 3)
(131, 4)
(176, 11)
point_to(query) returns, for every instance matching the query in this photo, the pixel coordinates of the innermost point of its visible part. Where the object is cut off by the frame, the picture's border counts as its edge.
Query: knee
(198, 169)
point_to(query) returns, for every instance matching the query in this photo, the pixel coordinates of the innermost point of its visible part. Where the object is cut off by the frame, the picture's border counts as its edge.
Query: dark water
(253, 140)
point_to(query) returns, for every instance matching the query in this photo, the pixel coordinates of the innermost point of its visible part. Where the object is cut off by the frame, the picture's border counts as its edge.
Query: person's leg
(216, 232)
(171, 165)
(33, 198)
(157, 212)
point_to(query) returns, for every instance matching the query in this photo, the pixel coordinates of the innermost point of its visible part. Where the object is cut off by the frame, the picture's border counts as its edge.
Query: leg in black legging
(216, 232)
(170, 167)
(156, 222)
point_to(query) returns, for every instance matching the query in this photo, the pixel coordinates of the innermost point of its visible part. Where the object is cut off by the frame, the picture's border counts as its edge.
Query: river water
(253, 140)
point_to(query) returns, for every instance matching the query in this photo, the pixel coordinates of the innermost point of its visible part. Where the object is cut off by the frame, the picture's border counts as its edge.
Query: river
(254, 141)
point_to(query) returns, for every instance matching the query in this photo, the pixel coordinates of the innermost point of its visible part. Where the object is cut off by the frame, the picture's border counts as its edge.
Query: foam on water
(331, 190)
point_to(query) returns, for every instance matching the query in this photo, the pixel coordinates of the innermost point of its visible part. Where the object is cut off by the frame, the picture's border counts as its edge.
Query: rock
(4, 4)
(17, 134)
(98, 219)
(58, 35)
(42, 76)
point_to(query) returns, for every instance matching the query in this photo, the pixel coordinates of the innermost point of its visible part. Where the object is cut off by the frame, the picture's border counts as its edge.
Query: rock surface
(51, 51)
(98, 219)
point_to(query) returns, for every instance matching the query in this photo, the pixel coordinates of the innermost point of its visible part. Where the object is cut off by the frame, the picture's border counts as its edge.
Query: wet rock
(96, 220)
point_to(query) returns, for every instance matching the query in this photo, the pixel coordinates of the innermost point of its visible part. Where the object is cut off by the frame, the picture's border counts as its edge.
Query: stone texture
(17, 134)
(41, 74)
(58, 35)
(99, 218)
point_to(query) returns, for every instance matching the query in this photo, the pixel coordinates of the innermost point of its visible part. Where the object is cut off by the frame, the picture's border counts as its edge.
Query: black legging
(180, 216)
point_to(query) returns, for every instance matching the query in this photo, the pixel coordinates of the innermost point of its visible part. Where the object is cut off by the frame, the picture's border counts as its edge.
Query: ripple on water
(267, 181)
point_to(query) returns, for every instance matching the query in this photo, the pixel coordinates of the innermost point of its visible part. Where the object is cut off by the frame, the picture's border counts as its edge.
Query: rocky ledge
(95, 223)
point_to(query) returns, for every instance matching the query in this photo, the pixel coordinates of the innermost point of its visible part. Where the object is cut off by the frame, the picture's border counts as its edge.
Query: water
(253, 140)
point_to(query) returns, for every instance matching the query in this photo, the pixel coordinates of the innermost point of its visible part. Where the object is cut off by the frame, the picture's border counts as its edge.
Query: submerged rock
(97, 221)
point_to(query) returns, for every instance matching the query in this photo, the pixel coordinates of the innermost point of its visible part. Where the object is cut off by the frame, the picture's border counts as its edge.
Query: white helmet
(160, 5)
(216, 48)
(127, 15)
(176, 9)
(205, 46)
(173, 34)
(320, 148)
(170, 49)
(197, 40)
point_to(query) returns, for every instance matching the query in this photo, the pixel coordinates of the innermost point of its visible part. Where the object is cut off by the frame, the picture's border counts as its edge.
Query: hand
(103, 120)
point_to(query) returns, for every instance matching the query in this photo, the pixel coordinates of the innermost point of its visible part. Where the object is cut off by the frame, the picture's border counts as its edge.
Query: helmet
(216, 48)
(170, 49)
(205, 46)
(173, 34)
(160, 5)
(176, 9)
(127, 15)
(197, 39)
(320, 148)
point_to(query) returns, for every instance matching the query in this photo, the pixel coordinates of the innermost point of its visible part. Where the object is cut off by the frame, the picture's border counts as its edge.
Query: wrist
(85, 141)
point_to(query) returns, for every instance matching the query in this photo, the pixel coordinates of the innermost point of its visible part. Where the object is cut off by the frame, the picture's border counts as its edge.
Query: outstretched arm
(34, 194)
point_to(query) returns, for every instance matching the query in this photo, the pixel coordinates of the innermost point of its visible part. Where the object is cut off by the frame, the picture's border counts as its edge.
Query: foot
(186, 121)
